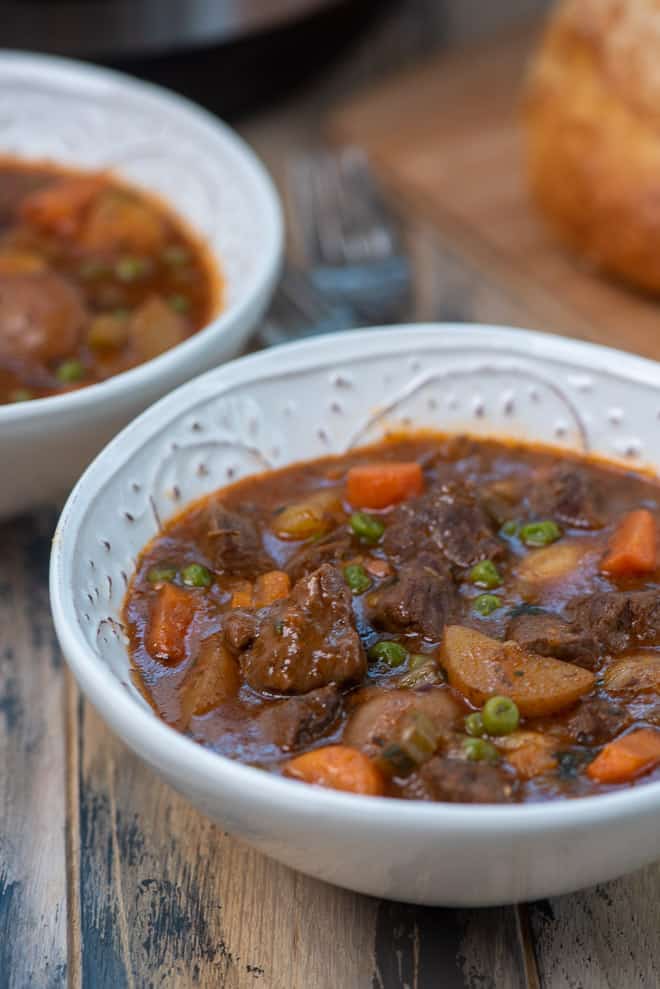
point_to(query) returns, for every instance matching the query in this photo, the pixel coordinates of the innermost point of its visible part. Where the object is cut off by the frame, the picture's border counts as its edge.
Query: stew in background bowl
(96, 277)
(93, 120)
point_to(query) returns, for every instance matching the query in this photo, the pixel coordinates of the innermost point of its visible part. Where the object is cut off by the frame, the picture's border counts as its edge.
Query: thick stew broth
(433, 618)
(95, 278)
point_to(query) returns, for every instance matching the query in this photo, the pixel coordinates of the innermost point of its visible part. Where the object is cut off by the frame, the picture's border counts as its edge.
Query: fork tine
(349, 236)
(328, 213)
(347, 220)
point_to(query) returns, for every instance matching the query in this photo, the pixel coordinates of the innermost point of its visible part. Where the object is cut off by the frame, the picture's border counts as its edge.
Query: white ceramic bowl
(91, 118)
(301, 401)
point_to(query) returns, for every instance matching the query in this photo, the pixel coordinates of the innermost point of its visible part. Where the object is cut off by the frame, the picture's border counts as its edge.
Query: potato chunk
(313, 516)
(552, 563)
(481, 667)
(154, 328)
(377, 722)
(212, 679)
(119, 220)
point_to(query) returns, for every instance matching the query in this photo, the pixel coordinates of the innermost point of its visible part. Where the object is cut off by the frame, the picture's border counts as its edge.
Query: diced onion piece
(529, 752)
(638, 673)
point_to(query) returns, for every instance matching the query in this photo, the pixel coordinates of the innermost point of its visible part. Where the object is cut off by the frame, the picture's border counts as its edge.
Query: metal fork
(356, 272)
(300, 309)
(350, 237)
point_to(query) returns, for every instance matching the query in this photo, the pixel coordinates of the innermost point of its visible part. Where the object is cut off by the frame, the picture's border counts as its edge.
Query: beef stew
(432, 618)
(95, 278)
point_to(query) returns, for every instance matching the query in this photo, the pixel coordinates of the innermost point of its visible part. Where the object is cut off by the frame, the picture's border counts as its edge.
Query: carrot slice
(242, 594)
(633, 546)
(59, 207)
(171, 618)
(626, 757)
(339, 768)
(382, 485)
(268, 588)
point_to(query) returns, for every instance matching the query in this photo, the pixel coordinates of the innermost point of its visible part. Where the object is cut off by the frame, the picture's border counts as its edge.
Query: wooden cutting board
(446, 138)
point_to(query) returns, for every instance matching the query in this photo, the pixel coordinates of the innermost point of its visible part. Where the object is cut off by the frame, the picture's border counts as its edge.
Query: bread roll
(592, 114)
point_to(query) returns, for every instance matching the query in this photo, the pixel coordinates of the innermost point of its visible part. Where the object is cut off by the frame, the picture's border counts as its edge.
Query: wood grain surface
(109, 880)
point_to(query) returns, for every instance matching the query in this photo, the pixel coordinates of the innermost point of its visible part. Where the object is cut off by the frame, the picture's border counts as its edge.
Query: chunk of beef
(460, 782)
(240, 629)
(419, 600)
(446, 518)
(501, 499)
(335, 546)
(233, 542)
(549, 635)
(306, 640)
(299, 721)
(619, 619)
(597, 720)
(566, 494)
(377, 722)
(607, 622)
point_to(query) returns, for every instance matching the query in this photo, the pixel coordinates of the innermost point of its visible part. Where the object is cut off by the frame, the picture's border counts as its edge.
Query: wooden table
(109, 880)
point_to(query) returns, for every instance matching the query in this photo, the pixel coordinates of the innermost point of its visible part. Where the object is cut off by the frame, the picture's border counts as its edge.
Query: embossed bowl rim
(206, 771)
(270, 246)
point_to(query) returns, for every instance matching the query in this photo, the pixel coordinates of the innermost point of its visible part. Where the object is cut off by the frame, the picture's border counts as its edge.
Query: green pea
(196, 575)
(180, 303)
(176, 255)
(536, 534)
(479, 750)
(20, 395)
(388, 652)
(70, 371)
(129, 268)
(486, 604)
(509, 529)
(366, 527)
(474, 725)
(485, 574)
(161, 574)
(500, 716)
(357, 578)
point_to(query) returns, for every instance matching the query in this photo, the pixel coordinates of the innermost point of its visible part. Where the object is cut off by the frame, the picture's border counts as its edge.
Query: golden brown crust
(592, 113)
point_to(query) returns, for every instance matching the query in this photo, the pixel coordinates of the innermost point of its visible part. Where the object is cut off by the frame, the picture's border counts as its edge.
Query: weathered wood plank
(425, 948)
(168, 900)
(33, 927)
(602, 938)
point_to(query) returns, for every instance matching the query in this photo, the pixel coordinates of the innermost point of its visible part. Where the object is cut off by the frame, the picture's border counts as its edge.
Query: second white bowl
(91, 118)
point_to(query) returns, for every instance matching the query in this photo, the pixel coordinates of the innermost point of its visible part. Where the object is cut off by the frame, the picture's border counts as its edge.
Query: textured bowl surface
(302, 401)
(90, 118)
